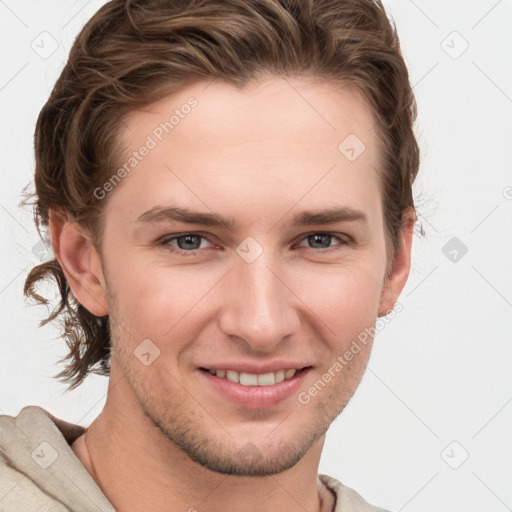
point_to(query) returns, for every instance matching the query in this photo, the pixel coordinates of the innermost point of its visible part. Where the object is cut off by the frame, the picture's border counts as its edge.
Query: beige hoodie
(40, 473)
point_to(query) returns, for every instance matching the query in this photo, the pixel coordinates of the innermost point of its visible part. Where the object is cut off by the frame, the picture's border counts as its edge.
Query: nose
(259, 309)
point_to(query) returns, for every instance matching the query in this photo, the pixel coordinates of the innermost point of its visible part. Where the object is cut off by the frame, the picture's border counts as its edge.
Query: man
(227, 189)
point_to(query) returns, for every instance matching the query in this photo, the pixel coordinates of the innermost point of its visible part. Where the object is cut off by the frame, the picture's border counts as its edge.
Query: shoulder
(347, 500)
(33, 419)
(38, 469)
(37, 434)
(23, 458)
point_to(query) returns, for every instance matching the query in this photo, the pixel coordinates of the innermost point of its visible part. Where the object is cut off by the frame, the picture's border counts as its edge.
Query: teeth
(267, 379)
(232, 375)
(248, 379)
(290, 373)
(251, 379)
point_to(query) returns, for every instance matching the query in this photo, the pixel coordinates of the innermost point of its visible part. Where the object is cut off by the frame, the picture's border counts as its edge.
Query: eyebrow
(159, 214)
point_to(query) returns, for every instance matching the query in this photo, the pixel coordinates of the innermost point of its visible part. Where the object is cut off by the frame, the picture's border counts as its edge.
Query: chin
(249, 460)
(247, 452)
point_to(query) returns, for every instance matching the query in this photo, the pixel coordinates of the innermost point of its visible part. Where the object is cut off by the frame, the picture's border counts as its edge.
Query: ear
(398, 269)
(79, 261)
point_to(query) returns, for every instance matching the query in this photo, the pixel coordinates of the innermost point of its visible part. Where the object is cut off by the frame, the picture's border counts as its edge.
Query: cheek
(345, 299)
(154, 298)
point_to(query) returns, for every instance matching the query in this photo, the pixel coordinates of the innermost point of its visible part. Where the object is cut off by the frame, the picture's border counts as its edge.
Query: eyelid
(172, 236)
(343, 238)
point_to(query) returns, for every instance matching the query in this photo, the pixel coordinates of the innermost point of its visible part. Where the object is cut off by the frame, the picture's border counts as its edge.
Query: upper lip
(258, 369)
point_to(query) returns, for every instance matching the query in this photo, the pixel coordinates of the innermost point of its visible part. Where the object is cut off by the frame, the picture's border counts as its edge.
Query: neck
(139, 469)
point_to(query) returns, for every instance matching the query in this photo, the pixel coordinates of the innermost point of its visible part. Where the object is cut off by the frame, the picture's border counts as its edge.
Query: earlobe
(400, 266)
(80, 263)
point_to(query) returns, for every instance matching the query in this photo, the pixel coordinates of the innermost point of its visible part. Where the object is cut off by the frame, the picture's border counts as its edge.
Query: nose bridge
(261, 309)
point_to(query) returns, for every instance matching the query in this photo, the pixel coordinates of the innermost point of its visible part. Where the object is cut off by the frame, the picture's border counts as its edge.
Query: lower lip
(256, 397)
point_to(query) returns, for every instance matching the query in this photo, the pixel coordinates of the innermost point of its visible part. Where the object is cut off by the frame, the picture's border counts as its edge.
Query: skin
(166, 438)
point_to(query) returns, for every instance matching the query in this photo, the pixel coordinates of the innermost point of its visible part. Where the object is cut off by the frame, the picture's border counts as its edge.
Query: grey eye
(190, 242)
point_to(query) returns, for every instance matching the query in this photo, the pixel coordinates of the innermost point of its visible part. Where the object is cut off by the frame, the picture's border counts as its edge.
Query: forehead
(261, 150)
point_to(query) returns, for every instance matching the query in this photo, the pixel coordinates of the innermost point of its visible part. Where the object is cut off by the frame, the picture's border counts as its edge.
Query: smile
(255, 390)
(252, 379)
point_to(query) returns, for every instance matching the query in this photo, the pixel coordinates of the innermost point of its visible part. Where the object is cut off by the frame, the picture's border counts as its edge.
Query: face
(244, 247)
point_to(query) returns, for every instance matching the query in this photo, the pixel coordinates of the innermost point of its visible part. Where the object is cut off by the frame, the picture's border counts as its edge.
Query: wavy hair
(134, 52)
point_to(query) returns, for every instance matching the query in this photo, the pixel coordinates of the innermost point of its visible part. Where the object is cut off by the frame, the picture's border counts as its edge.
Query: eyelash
(339, 236)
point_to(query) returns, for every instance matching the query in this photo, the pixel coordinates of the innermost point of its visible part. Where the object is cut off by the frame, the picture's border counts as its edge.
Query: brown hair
(134, 52)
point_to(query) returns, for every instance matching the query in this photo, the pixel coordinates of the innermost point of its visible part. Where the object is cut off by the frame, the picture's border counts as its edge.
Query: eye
(184, 243)
(189, 244)
(323, 241)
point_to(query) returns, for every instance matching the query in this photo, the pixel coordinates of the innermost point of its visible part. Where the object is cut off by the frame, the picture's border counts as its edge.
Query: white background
(441, 370)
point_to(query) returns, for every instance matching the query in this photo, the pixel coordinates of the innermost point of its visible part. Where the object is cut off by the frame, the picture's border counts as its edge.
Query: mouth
(255, 390)
(254, 379)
